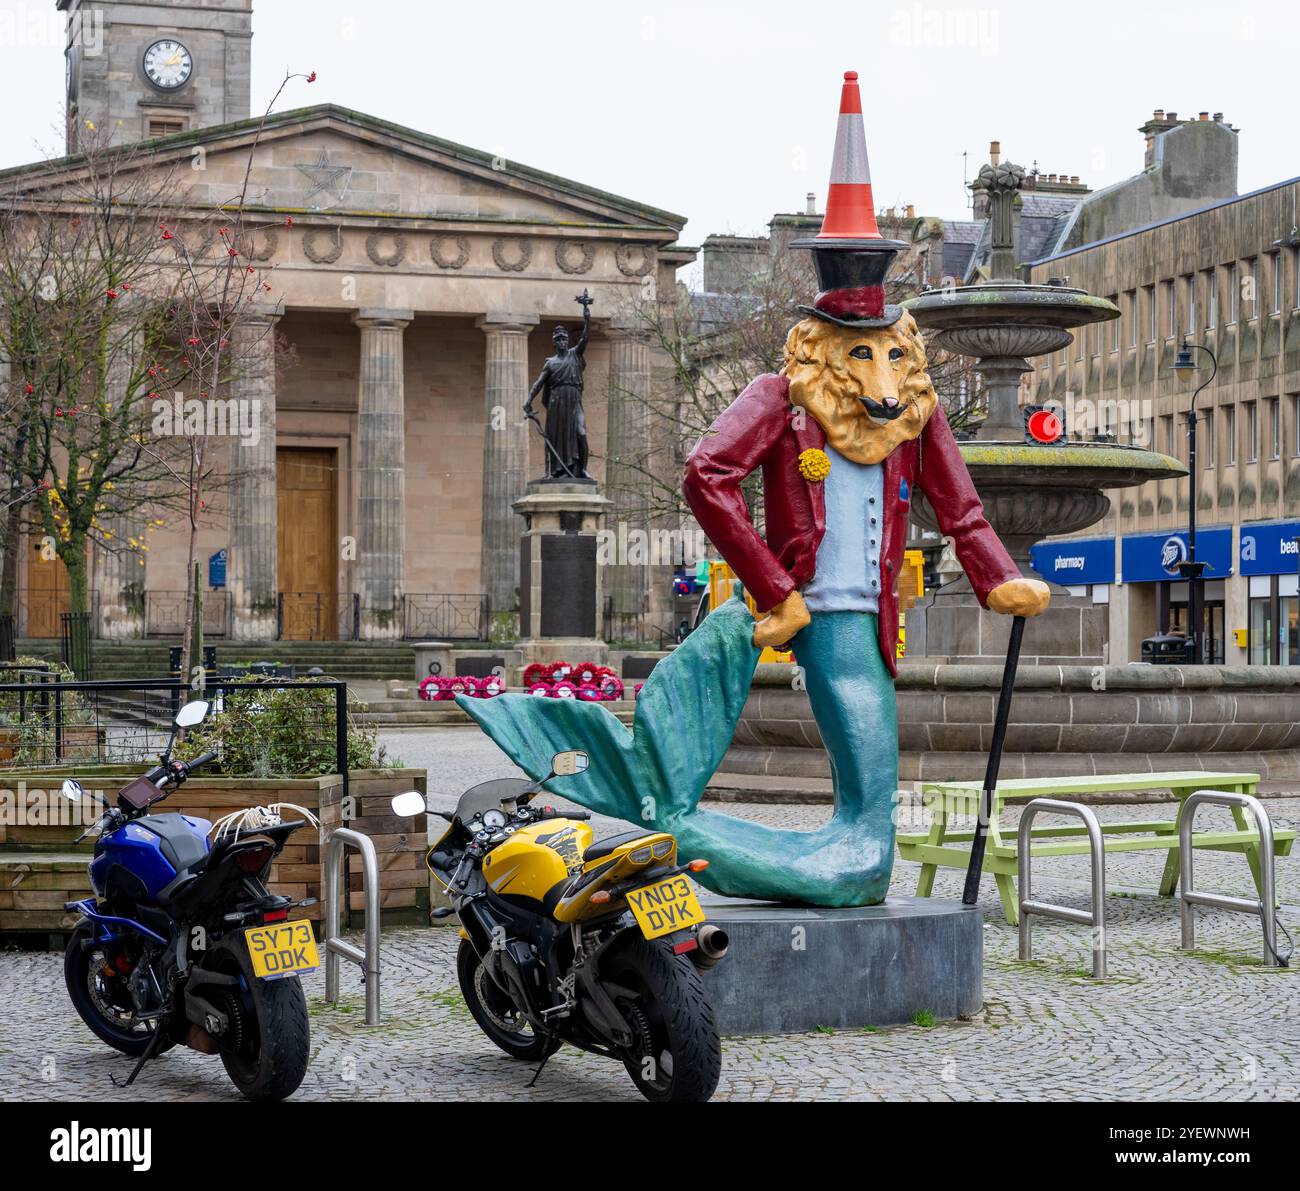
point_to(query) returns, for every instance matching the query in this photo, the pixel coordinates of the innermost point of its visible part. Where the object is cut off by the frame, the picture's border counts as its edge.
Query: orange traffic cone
(850, 209)
(850, 255)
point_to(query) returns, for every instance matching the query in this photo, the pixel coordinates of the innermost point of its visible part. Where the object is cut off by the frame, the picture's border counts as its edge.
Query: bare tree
(120, 307)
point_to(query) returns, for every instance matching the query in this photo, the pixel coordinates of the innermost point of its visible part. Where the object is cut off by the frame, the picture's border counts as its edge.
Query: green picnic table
(942, 845)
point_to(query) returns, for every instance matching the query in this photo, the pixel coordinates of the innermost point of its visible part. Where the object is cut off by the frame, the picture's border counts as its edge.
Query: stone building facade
(1225, 276)
(417, 283)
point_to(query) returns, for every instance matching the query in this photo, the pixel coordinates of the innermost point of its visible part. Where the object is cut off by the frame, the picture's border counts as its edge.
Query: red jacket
(759, 429)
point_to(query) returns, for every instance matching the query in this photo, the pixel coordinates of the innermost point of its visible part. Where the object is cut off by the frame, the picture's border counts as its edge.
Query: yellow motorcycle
(564, 940)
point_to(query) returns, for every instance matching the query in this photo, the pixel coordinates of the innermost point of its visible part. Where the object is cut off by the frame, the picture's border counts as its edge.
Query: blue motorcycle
(183, 943)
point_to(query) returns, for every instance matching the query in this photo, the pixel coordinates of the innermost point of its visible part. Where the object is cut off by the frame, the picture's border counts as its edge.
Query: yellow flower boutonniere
(814, 465)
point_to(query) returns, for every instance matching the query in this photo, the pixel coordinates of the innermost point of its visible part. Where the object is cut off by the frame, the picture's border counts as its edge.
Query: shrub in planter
(267, 731)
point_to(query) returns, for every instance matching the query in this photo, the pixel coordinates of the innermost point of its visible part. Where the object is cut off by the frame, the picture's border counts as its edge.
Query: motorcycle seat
(180, 845)
(605, 846)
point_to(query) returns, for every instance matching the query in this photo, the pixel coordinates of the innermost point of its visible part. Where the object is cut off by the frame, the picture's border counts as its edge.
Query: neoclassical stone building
(417, 283)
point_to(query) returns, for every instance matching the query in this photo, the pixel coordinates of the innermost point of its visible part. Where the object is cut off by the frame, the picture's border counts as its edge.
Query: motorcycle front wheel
(677, 1055)
(495, 1012)
(101, 997)
(267, 1049)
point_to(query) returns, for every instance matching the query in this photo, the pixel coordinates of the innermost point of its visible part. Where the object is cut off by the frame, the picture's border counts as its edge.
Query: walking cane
(971, 893)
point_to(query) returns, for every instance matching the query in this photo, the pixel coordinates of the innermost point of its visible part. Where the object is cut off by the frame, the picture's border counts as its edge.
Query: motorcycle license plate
(665, 906)
(282, 949)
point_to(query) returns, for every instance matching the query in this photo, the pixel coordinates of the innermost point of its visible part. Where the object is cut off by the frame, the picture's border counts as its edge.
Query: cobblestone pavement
(1210, 1026)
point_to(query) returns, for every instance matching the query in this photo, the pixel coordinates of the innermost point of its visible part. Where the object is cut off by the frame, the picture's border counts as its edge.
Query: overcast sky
(724, 111)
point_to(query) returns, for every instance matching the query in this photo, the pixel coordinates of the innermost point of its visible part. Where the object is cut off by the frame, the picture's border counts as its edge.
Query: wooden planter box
(41, 868)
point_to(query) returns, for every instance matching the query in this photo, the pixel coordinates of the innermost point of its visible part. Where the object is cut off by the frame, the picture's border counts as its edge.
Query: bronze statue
(560, 385)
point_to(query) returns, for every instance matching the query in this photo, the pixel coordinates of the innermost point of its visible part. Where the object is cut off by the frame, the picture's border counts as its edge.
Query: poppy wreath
(536, 672)
(587, 672)
(563, 690)
(558, 671)
(539, 688)
(610, 686)
(636, 690)
(460, 685)
(490, 686)
(590, 692)
(429, 687)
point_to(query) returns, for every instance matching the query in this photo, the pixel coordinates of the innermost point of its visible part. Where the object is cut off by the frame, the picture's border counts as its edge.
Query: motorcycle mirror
(567, 764)
(191, 714)
(72, 790)
(410, 803)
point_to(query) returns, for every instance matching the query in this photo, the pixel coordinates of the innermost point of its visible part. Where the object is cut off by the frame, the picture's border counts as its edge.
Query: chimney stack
(995, 152)
(810, 204)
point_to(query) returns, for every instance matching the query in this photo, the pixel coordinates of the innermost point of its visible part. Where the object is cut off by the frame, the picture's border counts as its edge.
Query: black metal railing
(46, 723)
(75, 631)
(317, 616)
(633, 629)
(445, 616)
(164, 613)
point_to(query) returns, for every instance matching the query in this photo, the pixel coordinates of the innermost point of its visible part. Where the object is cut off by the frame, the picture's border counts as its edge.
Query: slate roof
(1044, 220)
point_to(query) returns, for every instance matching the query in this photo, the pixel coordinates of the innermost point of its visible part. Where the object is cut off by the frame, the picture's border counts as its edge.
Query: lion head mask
(867, 388)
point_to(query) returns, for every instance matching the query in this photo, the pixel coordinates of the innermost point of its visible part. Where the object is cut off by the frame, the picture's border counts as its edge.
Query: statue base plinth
(791, 969)
(563, 649)
(559, 579)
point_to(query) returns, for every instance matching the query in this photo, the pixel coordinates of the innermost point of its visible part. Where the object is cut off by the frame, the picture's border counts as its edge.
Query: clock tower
(139, 69)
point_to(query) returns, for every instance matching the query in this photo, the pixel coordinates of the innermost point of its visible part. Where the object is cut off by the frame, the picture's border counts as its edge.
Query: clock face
(168, 64)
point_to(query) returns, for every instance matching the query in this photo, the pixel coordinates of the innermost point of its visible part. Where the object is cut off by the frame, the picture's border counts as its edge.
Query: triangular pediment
(329, 159)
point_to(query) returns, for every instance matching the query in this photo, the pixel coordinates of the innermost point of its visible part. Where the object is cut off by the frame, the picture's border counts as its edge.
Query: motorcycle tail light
(275, 915)
(641, 855)
(662, 848)
(253, 860)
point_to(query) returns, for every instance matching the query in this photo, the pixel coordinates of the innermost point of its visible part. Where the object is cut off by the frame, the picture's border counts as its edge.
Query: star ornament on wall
(327, 179)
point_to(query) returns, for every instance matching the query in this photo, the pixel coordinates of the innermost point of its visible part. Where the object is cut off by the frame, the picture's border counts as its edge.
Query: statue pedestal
(791, 969)
(559, 581)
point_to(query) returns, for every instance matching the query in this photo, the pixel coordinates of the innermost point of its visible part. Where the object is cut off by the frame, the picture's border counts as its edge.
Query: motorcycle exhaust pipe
(711, 945)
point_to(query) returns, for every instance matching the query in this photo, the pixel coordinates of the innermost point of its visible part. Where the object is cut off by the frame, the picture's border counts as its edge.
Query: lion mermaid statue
(844, 436)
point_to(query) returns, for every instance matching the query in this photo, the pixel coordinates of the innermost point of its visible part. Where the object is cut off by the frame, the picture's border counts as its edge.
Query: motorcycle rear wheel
(677, 1057)
(270, 1054)
(495, 1013)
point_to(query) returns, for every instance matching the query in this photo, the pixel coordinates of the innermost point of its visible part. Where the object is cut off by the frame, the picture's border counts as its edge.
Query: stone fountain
(1030, 490)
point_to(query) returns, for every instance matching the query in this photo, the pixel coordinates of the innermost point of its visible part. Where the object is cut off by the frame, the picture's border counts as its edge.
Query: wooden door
(307, 543)
(47, 588)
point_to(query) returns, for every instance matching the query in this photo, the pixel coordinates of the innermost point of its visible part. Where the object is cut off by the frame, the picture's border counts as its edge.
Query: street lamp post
(1191, 569)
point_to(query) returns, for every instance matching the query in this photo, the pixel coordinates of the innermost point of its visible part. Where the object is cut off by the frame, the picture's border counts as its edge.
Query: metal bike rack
(1097, 856)
(344, 838)
(1189, 896)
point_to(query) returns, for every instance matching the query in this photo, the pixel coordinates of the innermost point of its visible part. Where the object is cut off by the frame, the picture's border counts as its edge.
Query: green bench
(945, 846)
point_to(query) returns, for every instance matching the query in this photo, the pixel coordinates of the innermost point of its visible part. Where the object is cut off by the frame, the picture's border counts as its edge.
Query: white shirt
(847, 578)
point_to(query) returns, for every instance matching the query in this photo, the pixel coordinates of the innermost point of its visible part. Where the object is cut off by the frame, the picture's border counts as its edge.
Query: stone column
(627, 454)
(505, 461)
(381, 460)
(251, 562)
(120, 564)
